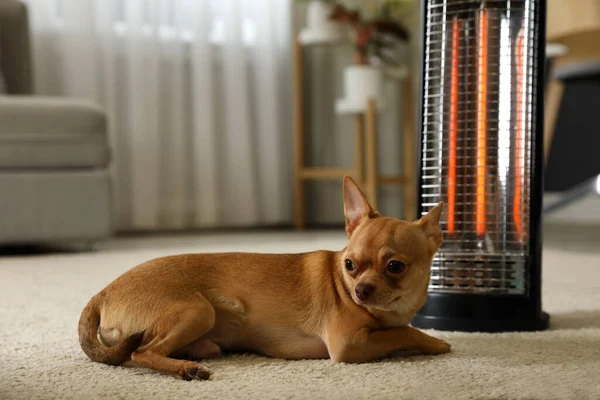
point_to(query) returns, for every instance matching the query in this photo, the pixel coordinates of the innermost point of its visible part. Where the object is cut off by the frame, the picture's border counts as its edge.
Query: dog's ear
(430, 223)
(356, 206)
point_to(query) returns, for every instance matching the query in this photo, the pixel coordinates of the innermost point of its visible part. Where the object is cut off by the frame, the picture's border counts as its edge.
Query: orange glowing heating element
(481, 124)
(453, 129)
(519, 136)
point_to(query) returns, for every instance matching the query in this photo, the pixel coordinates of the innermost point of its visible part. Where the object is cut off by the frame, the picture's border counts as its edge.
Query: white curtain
(198, 97)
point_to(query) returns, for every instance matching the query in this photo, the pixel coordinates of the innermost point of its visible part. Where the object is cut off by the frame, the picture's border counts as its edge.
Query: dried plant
(372, 38)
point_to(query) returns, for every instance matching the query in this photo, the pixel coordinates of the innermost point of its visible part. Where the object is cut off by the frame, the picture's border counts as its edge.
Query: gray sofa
(54, 152)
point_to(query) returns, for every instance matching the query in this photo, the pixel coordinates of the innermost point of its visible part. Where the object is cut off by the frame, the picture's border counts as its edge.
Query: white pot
(320, 29)
(361, 82)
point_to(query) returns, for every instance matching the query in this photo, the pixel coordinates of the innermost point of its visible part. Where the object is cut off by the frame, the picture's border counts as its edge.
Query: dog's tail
(93, 348)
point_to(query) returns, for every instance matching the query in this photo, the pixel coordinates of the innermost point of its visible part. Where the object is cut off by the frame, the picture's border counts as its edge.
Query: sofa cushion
(49, 132)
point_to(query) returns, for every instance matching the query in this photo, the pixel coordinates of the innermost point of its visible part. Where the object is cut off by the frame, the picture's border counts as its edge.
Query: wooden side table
(364, 171)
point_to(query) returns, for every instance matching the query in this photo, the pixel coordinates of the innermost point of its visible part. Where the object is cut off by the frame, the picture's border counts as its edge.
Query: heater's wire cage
(478, 119)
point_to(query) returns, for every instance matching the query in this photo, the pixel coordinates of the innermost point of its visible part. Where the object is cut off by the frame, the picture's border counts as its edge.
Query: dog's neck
(390, 319)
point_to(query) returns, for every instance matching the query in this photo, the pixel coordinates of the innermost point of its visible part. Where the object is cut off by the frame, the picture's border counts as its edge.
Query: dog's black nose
(363, 291)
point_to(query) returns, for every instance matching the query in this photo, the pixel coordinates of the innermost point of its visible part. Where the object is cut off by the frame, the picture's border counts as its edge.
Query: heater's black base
(480, 313)
(481, 325)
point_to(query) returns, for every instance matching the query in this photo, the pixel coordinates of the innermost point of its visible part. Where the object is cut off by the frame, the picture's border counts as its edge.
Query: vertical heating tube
(441, 99)
(481, 123)
(504, 121)
(504, 130)
(519, 143)
(453, 132)
(522, 59)
(529, 82)
(427, 88)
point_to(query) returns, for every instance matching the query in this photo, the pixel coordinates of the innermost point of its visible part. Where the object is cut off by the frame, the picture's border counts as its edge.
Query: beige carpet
(41, 297)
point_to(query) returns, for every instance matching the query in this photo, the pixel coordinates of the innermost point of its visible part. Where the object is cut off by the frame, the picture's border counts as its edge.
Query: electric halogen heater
(482, 155)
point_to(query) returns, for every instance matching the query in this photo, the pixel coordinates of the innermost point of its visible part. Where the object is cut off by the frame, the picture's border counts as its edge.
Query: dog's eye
(349, 265)
(396, 267)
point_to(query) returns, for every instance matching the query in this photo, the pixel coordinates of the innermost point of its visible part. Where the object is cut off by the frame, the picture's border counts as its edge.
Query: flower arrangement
(373, 38)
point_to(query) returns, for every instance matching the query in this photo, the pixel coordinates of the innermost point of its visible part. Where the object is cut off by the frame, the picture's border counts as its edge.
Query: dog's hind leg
(198, 350)
(180, 325)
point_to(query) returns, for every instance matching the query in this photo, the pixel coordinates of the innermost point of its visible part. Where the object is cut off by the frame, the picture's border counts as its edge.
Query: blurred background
(151, 116)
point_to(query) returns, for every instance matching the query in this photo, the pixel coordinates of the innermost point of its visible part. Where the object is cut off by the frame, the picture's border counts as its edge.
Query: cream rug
(41, 297)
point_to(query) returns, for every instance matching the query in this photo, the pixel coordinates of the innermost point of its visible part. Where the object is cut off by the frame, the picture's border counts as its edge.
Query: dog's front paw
(196, 371)
(439, 346)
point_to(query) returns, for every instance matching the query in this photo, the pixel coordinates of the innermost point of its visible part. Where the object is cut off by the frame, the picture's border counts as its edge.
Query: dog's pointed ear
(430, 223)
(356, 206)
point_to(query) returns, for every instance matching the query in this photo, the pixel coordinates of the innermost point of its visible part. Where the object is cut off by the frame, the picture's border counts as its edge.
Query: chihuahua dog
(354, 305)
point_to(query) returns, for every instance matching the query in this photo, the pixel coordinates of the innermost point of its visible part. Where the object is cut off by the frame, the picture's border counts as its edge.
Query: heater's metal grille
(478, 119)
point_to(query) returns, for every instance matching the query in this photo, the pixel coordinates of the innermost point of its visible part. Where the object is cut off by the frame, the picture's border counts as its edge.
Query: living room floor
(42, 294)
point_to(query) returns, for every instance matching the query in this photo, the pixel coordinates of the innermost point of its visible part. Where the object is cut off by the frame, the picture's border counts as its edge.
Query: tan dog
(351, 306)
